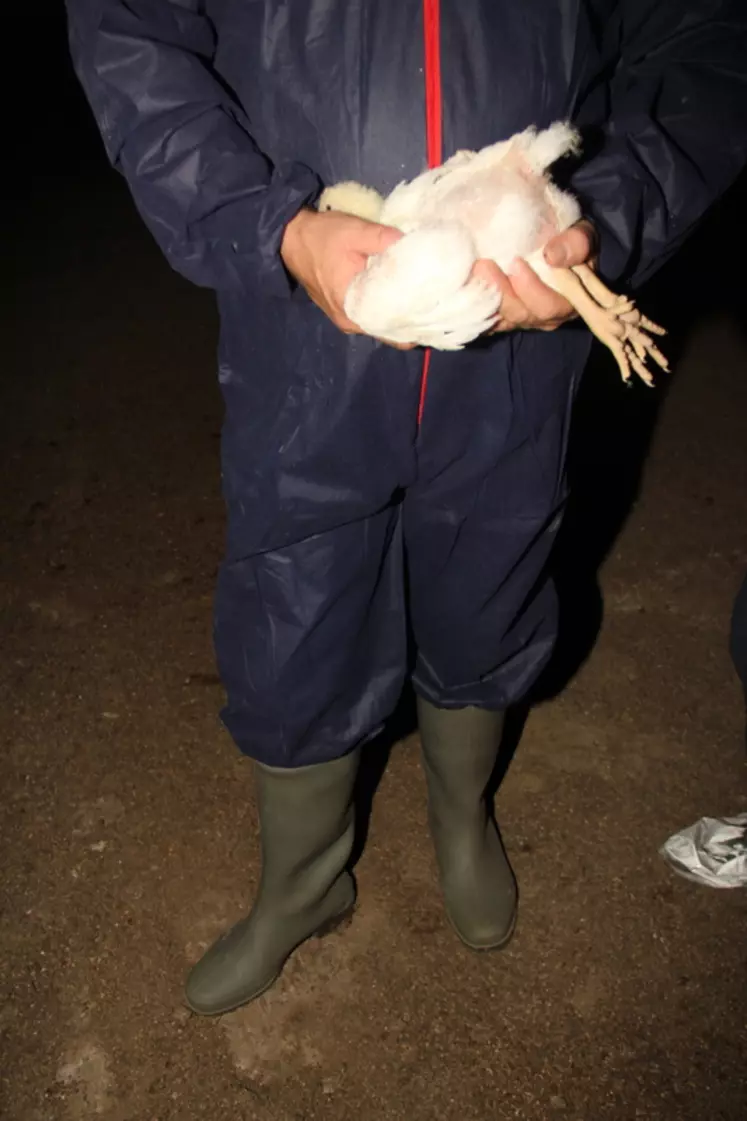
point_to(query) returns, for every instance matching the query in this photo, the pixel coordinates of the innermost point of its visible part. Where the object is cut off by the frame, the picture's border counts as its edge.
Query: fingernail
(515, 267)
(556, 256)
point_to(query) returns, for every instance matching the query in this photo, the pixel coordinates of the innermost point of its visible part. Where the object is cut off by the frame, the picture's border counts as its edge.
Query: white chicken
(498, 203)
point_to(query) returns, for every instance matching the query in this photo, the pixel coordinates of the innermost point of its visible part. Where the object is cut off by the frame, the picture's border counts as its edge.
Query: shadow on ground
(613, 429)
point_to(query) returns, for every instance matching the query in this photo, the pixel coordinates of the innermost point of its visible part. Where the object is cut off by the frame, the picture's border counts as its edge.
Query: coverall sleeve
(676, 133)
(215, 204)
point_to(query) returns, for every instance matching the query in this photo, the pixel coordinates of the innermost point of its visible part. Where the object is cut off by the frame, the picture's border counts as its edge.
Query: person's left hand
(527, 303)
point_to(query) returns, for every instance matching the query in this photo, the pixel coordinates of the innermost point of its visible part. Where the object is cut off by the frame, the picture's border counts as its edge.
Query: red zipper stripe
(423, 385)
(433, 123)
(433, 126)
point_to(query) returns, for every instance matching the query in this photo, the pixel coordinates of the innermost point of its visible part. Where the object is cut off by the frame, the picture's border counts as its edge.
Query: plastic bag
(713, 851)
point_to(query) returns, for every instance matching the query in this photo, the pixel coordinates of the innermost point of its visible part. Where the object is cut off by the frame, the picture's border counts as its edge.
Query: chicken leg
(615, 320)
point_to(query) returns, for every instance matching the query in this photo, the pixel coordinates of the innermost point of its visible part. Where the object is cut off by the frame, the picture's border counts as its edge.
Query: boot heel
(337, 922)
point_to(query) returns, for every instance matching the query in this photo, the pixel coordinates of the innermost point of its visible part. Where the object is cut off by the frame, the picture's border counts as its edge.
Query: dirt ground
(127, 824)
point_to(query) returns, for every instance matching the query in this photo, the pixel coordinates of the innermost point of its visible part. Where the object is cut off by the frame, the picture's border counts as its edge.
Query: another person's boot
(738, 642)
(460, 747)
(306, 823)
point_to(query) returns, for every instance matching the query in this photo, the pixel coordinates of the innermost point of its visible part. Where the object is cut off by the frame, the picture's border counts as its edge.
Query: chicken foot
(614, 319)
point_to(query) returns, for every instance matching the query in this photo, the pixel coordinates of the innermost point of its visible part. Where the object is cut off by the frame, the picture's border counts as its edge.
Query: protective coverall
(226, 117)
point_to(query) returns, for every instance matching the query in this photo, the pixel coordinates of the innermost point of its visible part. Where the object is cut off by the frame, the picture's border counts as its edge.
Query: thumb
(375, 238)
(556, 253)
(572, 247)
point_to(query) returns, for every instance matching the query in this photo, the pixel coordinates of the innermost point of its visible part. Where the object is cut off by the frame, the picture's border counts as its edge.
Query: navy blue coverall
(226, 117)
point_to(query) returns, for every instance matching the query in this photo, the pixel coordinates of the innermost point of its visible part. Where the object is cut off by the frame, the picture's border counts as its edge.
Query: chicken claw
(615, 320)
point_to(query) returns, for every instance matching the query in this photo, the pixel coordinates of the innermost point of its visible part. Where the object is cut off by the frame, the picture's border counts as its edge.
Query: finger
(574, 246)
(339, 318)
(542, 303)
(375, 238)
(397, 346)
(503, 327)
(487, 271)
(513, 310)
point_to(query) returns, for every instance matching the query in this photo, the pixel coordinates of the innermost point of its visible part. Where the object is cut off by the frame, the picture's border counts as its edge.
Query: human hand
(527, 303)
(324, 251)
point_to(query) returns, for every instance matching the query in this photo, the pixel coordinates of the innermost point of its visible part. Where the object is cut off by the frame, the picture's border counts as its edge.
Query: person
(738, 641)
(362, 496)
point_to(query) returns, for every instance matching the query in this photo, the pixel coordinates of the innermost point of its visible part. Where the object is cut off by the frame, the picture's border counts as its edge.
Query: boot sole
(492, 947)
(328, 927)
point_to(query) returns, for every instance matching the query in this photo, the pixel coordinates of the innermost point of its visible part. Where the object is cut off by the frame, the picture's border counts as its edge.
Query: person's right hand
(324, 251)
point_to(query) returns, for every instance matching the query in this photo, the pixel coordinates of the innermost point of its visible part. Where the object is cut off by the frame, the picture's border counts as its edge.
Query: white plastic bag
(713, 851)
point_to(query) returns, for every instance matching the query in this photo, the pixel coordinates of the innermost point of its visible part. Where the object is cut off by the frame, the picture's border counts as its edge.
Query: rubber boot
(460, 747)
(306, 826)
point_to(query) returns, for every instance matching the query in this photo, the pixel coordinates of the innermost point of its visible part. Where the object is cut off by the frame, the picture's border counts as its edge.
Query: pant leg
(311, 642)
(481, 522)
(317, 442)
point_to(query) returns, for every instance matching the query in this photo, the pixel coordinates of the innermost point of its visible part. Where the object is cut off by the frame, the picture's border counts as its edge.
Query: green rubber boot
(460, 747)
(306, 825)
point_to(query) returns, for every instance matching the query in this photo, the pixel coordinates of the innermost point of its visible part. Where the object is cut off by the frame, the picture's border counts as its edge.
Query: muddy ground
(127, 824)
